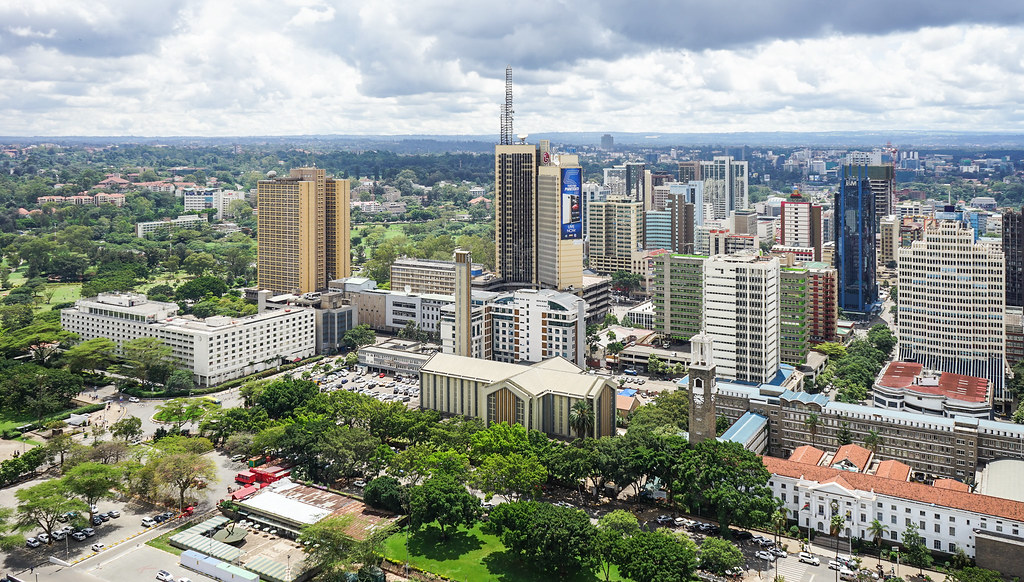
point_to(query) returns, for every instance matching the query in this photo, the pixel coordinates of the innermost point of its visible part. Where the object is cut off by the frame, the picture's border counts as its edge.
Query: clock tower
(702, 389)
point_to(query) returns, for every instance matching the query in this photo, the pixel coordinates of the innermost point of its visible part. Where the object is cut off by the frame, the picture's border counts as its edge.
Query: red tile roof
(952, 485)
(807, 454)
(963, 500)
(893, 470)
(900, 374)
(856, 454)
(966, 388)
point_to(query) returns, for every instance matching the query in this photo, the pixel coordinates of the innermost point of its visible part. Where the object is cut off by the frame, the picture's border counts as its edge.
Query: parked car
(59, 535)
(114, 513)
(77, 536)
(32, 542)
(359, 483)
(734, 572)
(89, 532)
(98, 547)
(834, 565)
(741, 535)
(808, 558)
(103, 516)
(847, 574)
(765, 555)
(148, 522)
(167, 514)
(779, 552)
(132, 399)
(665, 519)
(164, 576)
(97, 520)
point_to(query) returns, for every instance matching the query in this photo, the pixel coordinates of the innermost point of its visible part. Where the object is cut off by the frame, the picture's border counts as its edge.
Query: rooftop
(855, 455)
(555, 375)
(807, 454)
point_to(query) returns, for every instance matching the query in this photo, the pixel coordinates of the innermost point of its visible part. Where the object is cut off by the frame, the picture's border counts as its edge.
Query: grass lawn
(62, 293)
(163, 541)
(14, 420)
(468, 555)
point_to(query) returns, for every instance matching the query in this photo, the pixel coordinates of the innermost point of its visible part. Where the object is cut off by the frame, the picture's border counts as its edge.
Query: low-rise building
(397, 356)
(908, 386)
(183, 221)
(426, 275)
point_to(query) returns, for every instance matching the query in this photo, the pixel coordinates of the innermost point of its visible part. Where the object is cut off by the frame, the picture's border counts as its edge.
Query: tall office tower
(693, 193)
(744, 221)
(676, 291)
(659, 194)
(952, 304)
(703, 416)
(607, 141)
(304, 233)
(855, 239)
(822, 307)
(801, 225)
(741, 314)
(1013, 248)
(616, 234)
(689, 171)
(881, 180)
(559, 221)
(672, 228)
(592, 193)
(725, 185)
(615, 180)
(463, 303)
(793, 315)
(636, 181)
(889, 228)
(515, 213)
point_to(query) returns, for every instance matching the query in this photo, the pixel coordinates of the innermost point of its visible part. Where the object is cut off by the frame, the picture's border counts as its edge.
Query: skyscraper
(637, 181)
(304, 233)
(801, 225)
(616, 234)
(952, 304)
(559, 221)
(855, 239)
(725, 185)
(1013, 248)
(515, 213)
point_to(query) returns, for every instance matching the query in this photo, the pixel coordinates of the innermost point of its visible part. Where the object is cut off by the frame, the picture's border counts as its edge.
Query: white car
(133, 399)
(32, 542)
(763, 555)
(98, 547)
(148, 522)
(809, 558)
(164, 576)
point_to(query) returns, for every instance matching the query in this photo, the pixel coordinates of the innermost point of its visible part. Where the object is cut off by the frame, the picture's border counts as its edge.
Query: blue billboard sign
(572, 203)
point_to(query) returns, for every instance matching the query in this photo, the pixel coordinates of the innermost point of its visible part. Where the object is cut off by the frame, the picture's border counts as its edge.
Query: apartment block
(951, 306)
(890, 238)
(210, 198)
(183, 221)
(801, 226)
(616, 234)
(677, 289)
(215, 349)
(426, 275)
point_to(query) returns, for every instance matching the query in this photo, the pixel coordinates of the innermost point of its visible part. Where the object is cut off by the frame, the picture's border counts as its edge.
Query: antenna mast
(506, 110)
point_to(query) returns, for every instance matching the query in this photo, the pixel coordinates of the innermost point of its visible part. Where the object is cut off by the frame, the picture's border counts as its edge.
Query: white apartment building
(951, 305)
(741, 314)
(215, 350)
(425, 275)
(207, 198)
(947, 515)
(183, 221)
(528, 326)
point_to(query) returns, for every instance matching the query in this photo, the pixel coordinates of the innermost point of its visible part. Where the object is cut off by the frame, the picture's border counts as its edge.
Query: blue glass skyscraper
(855, 237)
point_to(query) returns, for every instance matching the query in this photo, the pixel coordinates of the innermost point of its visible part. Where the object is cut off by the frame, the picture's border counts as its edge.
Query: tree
(358, 336)
(914, 549)
(9, 536)
(659, 555)
(60, 445)
(179, 381)
(514, 476)
(92, 355)
(831, 349)
(609, 320)
(147, 358)
(974, 574)
(42, 504)
(329, 547)
(551, 539)
(811, 422)
(385, 493)
(882, 338)
(581, 418)
(670, 409)
(200, 287)
(626, 282)
(198, 264)
(281, 397)
(877, 529)
(93, 481)
(501, 438)
(182, 471)
(873, 441)
(718, 555)
(613, 529)
(844, 436)
(442, 500)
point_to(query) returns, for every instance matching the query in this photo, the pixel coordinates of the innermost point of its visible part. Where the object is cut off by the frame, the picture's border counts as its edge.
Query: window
(893, 535)
(938, 528)
(937, 545)
(952, 531)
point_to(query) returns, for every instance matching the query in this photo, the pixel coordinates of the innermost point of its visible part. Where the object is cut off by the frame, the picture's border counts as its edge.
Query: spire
(506, 109)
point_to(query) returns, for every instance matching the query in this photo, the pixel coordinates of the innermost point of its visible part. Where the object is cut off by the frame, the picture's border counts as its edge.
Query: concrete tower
(702, 389)
(463, 303)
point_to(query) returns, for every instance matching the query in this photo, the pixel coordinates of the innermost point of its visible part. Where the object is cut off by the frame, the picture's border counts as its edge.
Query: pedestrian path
(791, 569)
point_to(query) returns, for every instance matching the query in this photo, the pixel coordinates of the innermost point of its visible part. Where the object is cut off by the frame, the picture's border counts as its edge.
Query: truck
(271, 474)
(246, 477)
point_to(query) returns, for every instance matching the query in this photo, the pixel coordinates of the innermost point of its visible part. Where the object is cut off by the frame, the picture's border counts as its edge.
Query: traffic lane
(139, 562)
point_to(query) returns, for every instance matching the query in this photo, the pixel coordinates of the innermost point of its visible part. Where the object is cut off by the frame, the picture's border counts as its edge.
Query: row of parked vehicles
(78, 534)
(160, 518)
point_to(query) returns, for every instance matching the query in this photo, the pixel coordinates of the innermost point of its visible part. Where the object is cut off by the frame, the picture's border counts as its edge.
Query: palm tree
(877, 529)
(581, 418)
(778, 523)
(873, 441)
(812, 424)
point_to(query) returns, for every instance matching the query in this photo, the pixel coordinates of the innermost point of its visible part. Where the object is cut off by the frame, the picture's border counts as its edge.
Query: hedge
(140, 393)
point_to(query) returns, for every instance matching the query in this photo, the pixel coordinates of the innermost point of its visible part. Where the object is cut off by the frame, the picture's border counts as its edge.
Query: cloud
(309, 66)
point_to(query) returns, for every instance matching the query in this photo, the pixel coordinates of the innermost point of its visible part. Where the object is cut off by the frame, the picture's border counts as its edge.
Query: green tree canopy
(659, 555)
(553, 540)
(444, 501)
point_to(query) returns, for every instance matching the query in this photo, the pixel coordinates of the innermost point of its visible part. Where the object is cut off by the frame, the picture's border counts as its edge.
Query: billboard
(572, 203)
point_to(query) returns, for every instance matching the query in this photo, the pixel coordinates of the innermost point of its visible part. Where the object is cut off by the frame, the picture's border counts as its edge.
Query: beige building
(559, 250)
(889, 229)
(304, 232)
(616, 234)
(425, 276)
(538, 397)
(515, 213)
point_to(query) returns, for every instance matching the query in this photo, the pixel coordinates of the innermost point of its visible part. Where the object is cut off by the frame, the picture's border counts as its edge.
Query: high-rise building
(822, 306)
(559, 221)
(690, 171)
(741, 314)
(636, 181)
(889, 229)
(304, 234)
(793, 315)
(725, 185)
(592, 193)
(1013, 248)
(952, 304)
(616, 234)
(426, 275)
(801, 225)
(855, 238)
(881, 179)
(676, 291)
(515, 213)
(672, 228)
(607, 141)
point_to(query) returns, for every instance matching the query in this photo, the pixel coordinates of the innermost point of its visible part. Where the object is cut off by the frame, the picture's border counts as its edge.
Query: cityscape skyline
(210, 69)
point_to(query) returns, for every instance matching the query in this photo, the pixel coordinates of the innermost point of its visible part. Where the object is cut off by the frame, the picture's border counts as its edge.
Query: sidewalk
(867, 562)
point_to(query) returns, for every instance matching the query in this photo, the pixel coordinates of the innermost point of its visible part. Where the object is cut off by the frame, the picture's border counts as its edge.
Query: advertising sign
(572, 203)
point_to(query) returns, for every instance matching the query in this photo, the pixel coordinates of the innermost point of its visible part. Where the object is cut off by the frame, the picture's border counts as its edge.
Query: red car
(382, 374)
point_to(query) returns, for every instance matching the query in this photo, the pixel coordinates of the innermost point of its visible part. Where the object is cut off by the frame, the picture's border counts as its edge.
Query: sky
(297, 67)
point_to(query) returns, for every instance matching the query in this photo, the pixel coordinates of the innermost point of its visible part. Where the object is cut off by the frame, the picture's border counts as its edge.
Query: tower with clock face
(702, 389)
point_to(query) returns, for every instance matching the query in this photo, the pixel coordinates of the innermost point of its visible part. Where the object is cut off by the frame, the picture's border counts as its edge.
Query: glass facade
(855, 239)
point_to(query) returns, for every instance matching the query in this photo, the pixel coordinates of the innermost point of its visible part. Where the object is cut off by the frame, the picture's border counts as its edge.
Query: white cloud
(388, 67)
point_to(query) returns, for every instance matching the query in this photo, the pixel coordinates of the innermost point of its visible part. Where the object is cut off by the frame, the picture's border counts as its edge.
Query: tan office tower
(303, 234)
(463, 303)
(559, 222)
(616, 234)
(690, 171)
(515, 213)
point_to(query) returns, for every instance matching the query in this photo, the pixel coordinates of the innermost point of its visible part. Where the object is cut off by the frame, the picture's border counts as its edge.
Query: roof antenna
(506, 110)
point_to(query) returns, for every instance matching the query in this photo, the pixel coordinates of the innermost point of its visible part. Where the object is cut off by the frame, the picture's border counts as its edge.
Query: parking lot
(376, 385)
